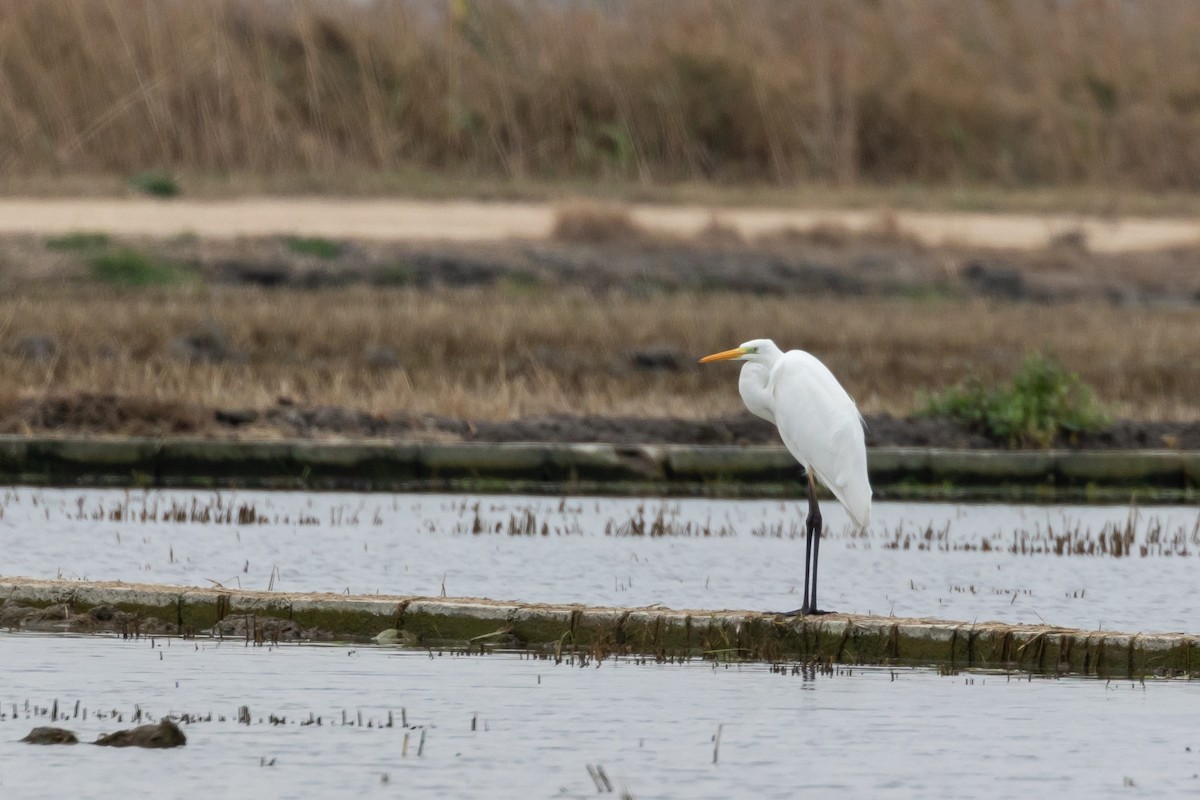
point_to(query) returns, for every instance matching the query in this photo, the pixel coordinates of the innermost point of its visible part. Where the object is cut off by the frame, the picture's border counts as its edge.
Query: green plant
(1043, 402)
(129, 268)
(77, 240)
(314, 246)
(154, 183)
(399, 273)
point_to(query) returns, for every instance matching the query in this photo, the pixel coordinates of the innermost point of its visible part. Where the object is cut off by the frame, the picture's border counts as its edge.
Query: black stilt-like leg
(813, 523)
(812, 546)
(808, 542)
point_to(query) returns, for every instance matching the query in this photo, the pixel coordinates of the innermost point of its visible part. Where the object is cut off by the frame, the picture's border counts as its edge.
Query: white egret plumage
(820, 426)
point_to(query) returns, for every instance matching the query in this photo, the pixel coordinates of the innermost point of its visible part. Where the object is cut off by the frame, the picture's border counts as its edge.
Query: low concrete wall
(602, 468)
(561, 630)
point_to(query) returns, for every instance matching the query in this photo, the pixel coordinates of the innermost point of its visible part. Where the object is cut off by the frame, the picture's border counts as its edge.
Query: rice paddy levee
(896, 472)
(588, 633)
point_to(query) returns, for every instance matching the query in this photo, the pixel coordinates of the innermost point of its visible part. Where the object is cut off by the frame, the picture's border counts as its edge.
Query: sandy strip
(475, 221)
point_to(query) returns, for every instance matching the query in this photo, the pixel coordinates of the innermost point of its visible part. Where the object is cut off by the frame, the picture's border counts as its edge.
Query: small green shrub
(314, 246)
(1043, 402)
(129, 268)
(78, 240)
(398, 274)
(154, 183)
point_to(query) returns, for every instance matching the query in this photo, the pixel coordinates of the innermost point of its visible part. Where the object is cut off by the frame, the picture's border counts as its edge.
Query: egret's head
(753, 350)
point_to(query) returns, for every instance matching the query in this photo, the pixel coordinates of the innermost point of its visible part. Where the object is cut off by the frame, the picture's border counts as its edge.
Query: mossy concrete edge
(655, 632)
(377, 465)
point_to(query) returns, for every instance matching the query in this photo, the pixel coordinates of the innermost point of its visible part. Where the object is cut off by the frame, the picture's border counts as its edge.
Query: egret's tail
(862, 514)
(856, 499)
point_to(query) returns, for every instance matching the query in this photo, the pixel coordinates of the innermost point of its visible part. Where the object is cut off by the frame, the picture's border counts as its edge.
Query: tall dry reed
(1009, 92)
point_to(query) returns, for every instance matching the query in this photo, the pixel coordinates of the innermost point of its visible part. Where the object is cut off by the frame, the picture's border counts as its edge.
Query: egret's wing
(821, 427)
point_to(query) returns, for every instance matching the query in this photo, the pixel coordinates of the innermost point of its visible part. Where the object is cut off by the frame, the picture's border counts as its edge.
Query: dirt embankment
(604, 250)
(111, 415)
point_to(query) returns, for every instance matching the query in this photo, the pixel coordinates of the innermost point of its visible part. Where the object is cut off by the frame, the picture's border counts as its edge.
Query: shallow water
(582, 551)
(860, 733)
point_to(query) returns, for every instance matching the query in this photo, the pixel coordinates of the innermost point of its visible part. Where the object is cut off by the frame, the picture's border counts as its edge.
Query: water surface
(965, 562)
(857, 733)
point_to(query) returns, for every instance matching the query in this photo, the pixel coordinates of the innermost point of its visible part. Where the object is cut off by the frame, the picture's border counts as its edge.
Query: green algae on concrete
(603, 462)
(375, 465)
(897, 465)
(771, 464)
(655, 632)
(224, 460)
(974, 467)
(1121, 468)
(546, 463)
(371, 463)
(511, 461)
(55, 460)
(1191, 468)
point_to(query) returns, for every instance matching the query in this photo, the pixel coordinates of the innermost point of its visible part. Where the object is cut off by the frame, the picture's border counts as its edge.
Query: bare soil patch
(458, 220)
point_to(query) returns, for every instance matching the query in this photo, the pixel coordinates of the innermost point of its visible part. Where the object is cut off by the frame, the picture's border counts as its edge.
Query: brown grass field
(509, 352)
(830, 92)
(875, 104)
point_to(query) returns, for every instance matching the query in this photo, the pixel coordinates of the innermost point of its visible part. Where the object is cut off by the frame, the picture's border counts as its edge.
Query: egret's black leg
(808, 541)
(812, 528)
(813, 523)
(812, 600)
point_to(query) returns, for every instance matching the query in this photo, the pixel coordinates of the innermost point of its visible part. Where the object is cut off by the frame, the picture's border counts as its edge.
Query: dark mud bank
(113, 415)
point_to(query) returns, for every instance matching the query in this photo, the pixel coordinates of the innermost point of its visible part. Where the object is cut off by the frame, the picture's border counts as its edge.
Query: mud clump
(268, 629)
(161, 736)
(50, 735)
(61, 617)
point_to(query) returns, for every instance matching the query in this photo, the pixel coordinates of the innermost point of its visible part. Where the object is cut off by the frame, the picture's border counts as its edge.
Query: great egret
(819, 424)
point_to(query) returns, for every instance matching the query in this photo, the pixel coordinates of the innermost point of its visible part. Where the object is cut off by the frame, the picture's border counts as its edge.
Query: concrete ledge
(655, 632)
(1157, 467)
(602, 468)
(750, 464)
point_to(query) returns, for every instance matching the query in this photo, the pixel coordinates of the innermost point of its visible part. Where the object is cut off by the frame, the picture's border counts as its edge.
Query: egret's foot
(804, 612)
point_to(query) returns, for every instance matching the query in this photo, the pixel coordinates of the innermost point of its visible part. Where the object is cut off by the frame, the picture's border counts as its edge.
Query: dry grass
(593, 223)
(507, 353)
(837, 91)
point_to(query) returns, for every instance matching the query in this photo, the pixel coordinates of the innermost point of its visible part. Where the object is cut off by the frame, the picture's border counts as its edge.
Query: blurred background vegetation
(1048, 106)
(843, 92)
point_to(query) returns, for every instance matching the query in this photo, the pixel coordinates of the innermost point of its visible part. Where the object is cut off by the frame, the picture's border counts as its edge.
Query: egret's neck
(753, 385)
